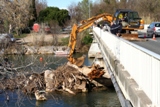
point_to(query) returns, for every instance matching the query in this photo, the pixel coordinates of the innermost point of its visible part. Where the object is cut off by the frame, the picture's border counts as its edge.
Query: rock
(39, 50)
(31, 49)
(45, 50)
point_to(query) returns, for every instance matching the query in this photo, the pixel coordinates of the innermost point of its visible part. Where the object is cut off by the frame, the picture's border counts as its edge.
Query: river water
(39, 63)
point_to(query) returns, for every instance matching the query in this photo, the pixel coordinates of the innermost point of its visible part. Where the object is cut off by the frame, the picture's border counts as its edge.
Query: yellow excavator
(135, 23)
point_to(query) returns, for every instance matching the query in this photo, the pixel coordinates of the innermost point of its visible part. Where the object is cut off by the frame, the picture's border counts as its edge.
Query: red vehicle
(36, 27)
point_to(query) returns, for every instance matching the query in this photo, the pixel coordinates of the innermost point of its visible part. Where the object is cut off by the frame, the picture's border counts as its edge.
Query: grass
(64, 41)
(21, 36)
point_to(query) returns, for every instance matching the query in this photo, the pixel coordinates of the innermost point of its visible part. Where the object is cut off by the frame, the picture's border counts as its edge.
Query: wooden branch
(22, 67)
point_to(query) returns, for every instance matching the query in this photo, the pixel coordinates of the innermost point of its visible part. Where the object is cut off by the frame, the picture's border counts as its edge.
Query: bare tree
(40, 5)
(84, 6)
(132, 4)
(74, 12)
(15, 13)
(150, 8)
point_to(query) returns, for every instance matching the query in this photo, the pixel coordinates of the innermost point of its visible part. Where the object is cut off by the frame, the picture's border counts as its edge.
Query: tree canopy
(54, 13)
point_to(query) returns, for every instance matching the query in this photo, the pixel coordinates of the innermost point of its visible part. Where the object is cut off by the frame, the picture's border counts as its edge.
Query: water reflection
(38, 63)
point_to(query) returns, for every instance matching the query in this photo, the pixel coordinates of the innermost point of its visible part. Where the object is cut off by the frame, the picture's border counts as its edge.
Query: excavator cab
(130, 17)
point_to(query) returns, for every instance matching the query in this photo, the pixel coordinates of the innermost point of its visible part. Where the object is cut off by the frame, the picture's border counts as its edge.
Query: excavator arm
(101, 17)
(76, 29)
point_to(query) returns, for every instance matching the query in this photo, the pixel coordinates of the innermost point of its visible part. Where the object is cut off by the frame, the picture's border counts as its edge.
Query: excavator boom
(76, 29)
(133, 19)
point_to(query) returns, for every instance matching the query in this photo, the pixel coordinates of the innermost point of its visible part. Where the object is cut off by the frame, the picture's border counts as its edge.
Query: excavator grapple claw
(77, 61)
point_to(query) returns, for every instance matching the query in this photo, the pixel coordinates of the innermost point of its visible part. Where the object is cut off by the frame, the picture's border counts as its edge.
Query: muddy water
(105, 98)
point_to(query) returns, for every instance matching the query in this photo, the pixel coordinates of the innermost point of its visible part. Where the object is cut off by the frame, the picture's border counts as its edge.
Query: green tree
(87, 39)
(34, 9)
(33, 12)
(54, 13)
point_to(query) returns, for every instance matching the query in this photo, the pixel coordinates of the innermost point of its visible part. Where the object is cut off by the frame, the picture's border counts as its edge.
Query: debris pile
(65, 78)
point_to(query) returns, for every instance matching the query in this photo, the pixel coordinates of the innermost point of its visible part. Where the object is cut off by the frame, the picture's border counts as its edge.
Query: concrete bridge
(134, 71)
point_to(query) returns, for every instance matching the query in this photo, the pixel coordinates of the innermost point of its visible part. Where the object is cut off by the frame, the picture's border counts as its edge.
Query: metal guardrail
(124, 102)
(142, 64)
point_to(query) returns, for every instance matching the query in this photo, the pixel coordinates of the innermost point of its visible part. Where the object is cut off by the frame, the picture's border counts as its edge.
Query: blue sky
(62, 4)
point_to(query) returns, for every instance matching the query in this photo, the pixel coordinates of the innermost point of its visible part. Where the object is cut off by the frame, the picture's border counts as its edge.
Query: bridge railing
(142, 64)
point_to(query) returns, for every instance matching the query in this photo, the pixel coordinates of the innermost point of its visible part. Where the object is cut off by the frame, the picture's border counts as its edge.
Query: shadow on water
(105, 98)
(101, 98)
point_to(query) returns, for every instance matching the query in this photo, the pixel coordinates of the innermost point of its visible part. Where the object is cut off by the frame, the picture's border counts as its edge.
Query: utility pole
(89, 7)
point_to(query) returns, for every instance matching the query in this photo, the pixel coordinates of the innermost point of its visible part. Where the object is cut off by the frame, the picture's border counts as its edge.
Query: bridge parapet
(137, 70)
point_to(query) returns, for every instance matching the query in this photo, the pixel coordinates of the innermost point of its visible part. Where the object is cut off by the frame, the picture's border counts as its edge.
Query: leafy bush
(87, 39)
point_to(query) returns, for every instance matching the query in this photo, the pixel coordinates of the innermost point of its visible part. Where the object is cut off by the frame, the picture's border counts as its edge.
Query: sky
(62, 4)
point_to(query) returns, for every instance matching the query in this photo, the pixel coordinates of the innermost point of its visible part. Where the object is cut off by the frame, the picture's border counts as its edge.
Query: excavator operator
(116, 28)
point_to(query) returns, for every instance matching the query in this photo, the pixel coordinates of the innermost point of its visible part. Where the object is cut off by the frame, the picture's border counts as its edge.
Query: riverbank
(36, 43)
